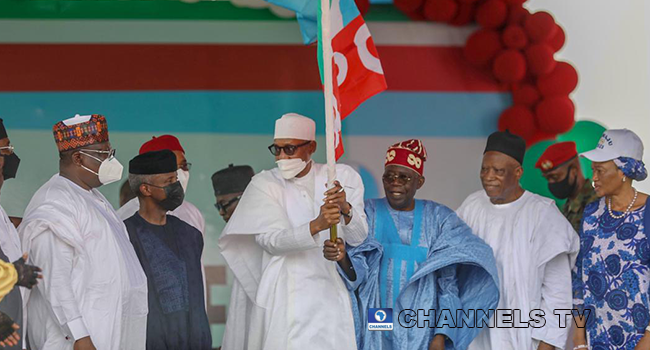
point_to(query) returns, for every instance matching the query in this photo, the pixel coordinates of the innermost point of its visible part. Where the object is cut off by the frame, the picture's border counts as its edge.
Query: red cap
(410, 154)
(160, 143)
(556, 155)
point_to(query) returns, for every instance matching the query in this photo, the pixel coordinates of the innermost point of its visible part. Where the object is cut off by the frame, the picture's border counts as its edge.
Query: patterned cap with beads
(410, 154)
(80, 131)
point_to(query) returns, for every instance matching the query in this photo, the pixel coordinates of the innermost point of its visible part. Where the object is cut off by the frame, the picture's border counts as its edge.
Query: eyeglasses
(288, 149)
(9, 149)
(186, 166)
(224, 206)
(109, 154)
(401, 179)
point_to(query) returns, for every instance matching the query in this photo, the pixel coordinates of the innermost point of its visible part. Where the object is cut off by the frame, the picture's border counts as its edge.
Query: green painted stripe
(155, 10)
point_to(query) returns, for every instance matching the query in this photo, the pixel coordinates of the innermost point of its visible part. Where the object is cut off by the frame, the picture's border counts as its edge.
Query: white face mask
(289, 168)
(110, 169)
(183, 178)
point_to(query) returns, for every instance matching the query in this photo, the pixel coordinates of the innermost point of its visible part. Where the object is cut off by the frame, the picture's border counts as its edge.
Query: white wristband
(648, 328)
(581, 347)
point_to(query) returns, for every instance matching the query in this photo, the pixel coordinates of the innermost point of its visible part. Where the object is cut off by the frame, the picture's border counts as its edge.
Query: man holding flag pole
(286, 295)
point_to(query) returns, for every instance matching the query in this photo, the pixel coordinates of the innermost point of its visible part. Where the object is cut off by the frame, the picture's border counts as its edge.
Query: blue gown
(612, 278)
(424, 259)
(171, 258)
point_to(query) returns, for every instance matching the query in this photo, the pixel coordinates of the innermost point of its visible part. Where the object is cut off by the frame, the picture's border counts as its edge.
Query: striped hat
(80, 131)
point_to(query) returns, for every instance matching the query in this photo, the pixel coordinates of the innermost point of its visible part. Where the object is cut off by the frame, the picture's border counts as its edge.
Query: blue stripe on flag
(416, 114)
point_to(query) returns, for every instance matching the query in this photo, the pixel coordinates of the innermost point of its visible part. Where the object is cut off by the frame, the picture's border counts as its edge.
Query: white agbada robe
(10, 244)
(93, 283)
(187, 212)
(286, 295)
(9, 240)
(535, 249)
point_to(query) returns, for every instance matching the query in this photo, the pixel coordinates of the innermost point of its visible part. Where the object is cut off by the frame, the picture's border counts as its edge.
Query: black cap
(508, 144)
(232, 179)
(154, 162)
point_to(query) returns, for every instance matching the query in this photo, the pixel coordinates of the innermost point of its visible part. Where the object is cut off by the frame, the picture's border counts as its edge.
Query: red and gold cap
(556, 155)
(410, 154)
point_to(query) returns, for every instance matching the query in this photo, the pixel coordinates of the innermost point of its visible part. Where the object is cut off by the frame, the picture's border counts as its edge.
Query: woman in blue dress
(612, 275)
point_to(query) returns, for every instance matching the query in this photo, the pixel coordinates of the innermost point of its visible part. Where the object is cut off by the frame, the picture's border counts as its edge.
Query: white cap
(616, 143)
(77, 119)
(295, 126)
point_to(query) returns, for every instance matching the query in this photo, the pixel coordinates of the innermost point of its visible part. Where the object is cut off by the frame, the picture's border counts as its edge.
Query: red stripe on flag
(125, 67)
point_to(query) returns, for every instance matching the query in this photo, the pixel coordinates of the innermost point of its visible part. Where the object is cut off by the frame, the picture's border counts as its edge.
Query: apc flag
(357, 71)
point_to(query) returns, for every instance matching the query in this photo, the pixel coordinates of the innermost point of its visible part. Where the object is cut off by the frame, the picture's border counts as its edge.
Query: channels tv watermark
(381, 319)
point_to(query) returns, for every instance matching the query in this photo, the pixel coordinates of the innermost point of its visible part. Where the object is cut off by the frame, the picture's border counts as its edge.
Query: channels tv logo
(380, 319)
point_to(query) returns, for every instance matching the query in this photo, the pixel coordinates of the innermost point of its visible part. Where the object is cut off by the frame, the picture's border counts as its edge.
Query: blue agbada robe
(171, 258)
(442, 265)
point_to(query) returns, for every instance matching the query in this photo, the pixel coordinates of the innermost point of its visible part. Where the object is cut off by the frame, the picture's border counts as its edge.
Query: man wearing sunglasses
(229, 185)
(94, 291)
(285, 294)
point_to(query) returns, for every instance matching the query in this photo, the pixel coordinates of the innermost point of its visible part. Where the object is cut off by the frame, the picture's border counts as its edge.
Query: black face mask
(174, 196)
(562, 189)
(11, 166)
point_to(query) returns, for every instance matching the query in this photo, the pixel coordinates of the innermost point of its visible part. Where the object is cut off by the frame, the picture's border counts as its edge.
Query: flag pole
(328, 91)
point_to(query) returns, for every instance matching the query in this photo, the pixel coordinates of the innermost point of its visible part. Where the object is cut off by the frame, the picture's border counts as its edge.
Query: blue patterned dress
(611, 277)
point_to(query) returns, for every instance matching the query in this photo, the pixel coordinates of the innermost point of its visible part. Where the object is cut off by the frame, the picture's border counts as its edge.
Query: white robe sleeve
(356, 231)
(287, 241)
(556, 295)
(55, 258)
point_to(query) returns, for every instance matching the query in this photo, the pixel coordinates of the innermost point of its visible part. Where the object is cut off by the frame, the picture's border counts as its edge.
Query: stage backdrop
(217, 76)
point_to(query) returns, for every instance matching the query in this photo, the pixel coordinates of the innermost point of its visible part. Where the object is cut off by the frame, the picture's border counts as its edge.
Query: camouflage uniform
(573, 209)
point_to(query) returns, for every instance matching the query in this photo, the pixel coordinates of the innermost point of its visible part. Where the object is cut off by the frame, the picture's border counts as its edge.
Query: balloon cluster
(518, 48)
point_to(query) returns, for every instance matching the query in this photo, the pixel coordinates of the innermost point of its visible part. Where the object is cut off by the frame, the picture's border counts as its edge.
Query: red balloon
(540, 59)
(539, 136)
(417, 15)
(465, 15)
(557, 41)
(363, 6)
(467, 1)
(518, 120)
(514, 37)
(525, 95)
(492, 14)
(515, 2)
(408, 6)
(482, 46)
(560, 82)
(440, 10)
(517, 15)
(555, 115)
(540, 27)
(509, 66)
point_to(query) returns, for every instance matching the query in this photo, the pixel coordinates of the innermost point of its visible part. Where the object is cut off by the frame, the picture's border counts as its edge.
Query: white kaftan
(93, 284)
(286, 295)
(535, 248)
